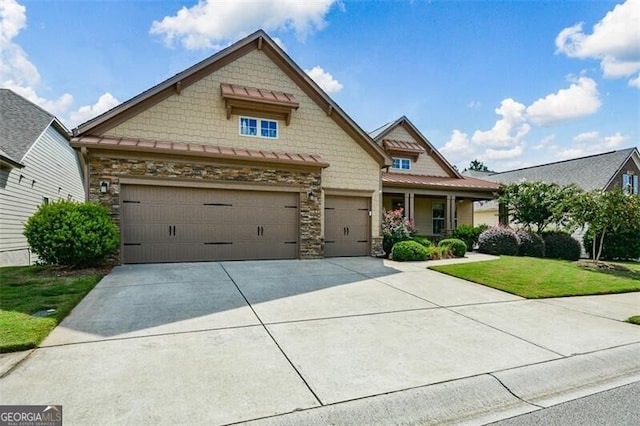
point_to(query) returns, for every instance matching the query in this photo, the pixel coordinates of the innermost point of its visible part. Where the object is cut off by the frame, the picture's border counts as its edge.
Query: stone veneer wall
(112, 169)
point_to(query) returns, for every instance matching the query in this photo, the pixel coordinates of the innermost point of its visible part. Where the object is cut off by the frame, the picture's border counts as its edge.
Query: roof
(402, 146)
(6, 159)
(589, 173)
(258, 40)
(197, 150)
(379, 135)
(22, 124)
(468, 183)
(261, 95)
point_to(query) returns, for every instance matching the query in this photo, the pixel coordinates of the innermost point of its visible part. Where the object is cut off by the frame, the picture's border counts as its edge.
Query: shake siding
(53, 164)
(197, 115)
(425, 164)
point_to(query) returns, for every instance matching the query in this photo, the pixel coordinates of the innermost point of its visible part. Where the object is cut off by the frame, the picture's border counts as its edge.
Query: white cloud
(615, 41)
(19, 74)
(580, 99)
(213, 23)
(588, 143)
(474, 105)
(545, 142)
(586, 137)
(324, 80)
(87, 112)
(458, 146)
(508, 130)
(502, 154)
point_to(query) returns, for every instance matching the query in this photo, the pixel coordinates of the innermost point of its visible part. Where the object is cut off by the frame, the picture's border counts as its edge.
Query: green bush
(560, 245)
(439, 252)
(619, 245)
(71, 234)
(469, 234)
(530, 244)
(409, 250)
(422, 240)
(458, 247)
(498, 240)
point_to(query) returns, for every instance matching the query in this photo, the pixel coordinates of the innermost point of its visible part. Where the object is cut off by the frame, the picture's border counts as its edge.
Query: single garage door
(346, 226)
(170, 224)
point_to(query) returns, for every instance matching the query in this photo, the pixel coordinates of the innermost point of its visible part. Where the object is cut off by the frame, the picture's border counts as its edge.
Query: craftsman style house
(243, 156)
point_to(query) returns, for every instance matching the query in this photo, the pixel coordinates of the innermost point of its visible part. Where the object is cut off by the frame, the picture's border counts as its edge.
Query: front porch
(436, 205)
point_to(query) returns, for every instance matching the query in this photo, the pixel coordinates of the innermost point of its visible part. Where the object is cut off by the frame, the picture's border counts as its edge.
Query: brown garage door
(346, 224)
(168, 224)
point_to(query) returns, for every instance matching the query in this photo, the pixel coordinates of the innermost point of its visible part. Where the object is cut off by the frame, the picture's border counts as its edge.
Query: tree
(537, 204)
(478, 166)
(605, 212)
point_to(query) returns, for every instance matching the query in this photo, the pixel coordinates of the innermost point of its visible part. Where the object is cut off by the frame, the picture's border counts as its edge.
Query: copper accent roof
(210, 151)
(402, 146)
(233, 91)
(400, 179)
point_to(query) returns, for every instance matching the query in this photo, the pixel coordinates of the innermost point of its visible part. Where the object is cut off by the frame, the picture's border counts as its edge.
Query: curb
(481, 399)
(10, 360)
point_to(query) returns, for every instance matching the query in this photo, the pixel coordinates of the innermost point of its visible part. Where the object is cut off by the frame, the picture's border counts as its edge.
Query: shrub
(422, 240)
(498, 240)
(395, 228)
(458, 247)
(439, 252)
(560, 245)
(618, 245)
(409, 250)
(530, 244)
(71, 234)
(469, 234)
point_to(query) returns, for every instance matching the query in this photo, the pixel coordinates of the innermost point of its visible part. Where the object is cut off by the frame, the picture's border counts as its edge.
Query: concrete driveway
(346, 341)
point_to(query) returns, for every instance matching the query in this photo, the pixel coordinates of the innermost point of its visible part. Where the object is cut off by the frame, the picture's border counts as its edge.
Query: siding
(425, 165)
(55, 168)
(197, 115)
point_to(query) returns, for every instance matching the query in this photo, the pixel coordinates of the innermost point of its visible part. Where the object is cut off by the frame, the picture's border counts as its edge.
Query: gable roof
(21, 125)
(379, 136)
(260, 41)
(589, 173)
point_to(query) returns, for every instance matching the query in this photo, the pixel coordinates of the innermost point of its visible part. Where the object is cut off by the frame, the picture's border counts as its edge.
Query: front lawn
(537, 278)
(25, 290)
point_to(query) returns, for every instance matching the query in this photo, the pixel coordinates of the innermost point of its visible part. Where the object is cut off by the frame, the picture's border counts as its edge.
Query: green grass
(25, 290)
(634, 319)
(537, 278)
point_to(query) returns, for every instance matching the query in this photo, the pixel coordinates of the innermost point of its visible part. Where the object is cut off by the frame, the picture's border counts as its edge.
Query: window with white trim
(258, 127)
(401, 163)
(630, 184)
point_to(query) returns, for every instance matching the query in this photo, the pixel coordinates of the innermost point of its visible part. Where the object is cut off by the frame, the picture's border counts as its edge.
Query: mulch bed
(602, 266)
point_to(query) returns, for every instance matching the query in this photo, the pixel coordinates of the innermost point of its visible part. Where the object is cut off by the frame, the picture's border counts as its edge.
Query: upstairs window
(401, 164)
(630, 184)
(258, 127)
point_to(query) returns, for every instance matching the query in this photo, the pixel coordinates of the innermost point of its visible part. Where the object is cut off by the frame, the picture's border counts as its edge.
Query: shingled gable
(379, 136)
(260, 41)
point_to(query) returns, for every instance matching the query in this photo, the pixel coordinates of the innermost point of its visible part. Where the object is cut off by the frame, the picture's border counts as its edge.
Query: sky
(510, 83)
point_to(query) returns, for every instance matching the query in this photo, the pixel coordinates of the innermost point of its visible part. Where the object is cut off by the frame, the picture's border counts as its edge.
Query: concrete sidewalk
(342, 341)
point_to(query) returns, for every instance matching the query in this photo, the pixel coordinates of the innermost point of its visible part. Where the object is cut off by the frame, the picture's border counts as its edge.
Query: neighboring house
(241, 156)
(37, 165)
(433, 194)
(607, 171)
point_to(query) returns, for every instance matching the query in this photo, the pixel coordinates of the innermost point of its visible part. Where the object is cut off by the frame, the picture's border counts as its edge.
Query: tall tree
(536, 205)
(478, 166)
(605, 212)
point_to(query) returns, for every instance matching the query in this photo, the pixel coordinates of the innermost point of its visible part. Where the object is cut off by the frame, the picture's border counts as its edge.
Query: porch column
(412, 198)
(407, 205)
(450, 214)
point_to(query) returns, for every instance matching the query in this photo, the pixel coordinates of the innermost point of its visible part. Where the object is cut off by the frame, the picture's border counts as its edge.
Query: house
(37, 165)
(431, 191)
(606, 171)
(241, 156)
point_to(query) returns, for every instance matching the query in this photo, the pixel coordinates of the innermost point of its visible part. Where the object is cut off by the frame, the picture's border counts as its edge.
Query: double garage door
(166, 224)
(176, 224)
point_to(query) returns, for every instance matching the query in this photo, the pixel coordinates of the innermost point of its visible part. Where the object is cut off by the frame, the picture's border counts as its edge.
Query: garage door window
(258, 127)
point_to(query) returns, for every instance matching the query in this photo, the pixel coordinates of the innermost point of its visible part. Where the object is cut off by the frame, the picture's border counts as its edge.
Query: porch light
(312, 196)
(104, 186)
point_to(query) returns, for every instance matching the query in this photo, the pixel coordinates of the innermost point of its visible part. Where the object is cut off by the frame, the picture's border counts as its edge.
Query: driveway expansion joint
(266, 329)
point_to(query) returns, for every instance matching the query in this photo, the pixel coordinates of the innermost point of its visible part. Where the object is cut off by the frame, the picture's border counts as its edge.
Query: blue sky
(512, 83)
